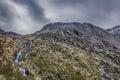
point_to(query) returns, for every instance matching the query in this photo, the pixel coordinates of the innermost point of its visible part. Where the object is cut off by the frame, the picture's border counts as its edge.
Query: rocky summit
(61, 51)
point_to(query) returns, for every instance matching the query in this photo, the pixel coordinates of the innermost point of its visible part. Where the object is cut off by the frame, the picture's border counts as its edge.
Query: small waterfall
(17, 58)
(24, 72)
(30, 43)
(17, 61)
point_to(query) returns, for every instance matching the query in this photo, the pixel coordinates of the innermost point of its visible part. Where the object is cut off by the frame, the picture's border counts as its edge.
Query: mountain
(12, 34)
(1, 31)
(115, 30)
(87, 32)
(85, 28)
(61, 42)
(61, 51)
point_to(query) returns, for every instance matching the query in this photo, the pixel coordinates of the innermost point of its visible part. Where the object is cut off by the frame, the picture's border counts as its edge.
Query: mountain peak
(85, 28)
(114, 30)
(54, 27)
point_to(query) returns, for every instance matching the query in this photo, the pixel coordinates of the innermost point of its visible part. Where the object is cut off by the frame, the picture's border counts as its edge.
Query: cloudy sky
(27, 16)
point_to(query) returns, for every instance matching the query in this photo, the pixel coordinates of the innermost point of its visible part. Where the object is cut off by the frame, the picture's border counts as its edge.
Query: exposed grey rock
(98, 50)
(1, 51)
(114, 30)
(85, 28)
(90, 35)
(30, 43)
(103, 73)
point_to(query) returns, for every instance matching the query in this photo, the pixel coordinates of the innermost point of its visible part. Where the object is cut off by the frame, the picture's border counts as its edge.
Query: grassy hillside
(57, 58)
(51, 60)
(8, 49)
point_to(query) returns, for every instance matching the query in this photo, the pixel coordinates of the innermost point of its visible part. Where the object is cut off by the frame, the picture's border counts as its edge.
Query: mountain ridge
(61, 51)
(114, 30)
(60, 26)
(9, 33)
(86, 29)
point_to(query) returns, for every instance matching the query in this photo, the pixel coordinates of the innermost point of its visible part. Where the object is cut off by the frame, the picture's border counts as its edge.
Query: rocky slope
(84, 40)
(88, 33)
(54, 60)
(65, 51)
(115, 30)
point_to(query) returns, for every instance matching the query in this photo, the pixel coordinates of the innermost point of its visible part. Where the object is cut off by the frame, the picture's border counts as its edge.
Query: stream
(17, 58)
(17, 61)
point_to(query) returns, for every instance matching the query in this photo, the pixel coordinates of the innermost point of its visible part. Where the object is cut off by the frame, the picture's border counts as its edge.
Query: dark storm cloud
(27, 16)
(101, 12)
(68, 2)
(5, 15)
(22, 16)
(4, 11)
(105, 5)
(36, 11)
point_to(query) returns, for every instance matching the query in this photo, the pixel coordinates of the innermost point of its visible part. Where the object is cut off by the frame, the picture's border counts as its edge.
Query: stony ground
(50, 59)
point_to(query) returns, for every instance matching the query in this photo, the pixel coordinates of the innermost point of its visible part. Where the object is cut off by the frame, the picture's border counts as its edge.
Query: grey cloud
(31, 15)
(22, 16)
(5, 15)
(94, 11)
(35, 10)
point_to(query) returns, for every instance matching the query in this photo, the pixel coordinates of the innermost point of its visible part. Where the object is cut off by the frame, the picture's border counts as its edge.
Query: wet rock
(87, 49)
(1, 51)
(30, 43)
(81, 46)
(18, 56)
(25, 72)
(61, 33)
(105, 74)
(98, 50)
